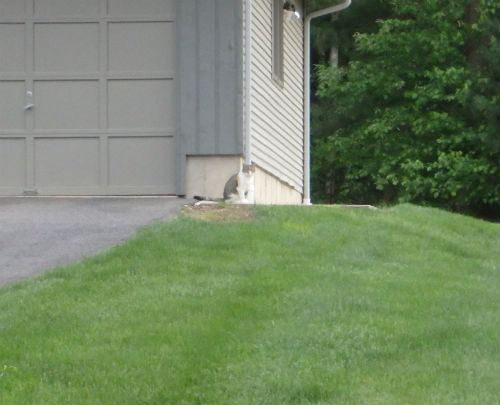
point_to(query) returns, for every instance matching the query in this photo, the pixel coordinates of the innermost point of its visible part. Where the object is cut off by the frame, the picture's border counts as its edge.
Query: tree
(414, 113)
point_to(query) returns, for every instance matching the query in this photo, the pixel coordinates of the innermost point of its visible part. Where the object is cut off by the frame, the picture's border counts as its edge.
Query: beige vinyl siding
(277, 108)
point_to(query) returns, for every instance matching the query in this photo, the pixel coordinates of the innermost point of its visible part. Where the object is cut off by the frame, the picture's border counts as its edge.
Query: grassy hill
(278, 305)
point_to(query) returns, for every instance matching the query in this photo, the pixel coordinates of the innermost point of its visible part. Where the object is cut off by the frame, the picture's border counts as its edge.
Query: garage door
(87, 97)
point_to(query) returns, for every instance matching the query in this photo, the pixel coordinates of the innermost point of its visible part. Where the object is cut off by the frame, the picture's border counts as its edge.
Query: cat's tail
(201, 198)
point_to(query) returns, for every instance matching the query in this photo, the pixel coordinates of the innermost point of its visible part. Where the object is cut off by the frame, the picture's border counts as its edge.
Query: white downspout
(248, 82)
(307, 93)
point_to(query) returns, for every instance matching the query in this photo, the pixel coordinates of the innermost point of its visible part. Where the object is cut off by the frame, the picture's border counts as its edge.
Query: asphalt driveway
(37, 234)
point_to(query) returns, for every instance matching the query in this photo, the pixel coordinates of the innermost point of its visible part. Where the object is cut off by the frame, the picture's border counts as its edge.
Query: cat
(239, 189)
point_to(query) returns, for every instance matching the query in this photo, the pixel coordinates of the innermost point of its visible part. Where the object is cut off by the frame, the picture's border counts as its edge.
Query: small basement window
(278, 73)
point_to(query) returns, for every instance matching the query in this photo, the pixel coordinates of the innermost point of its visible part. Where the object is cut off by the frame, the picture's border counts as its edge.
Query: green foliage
(414, 115)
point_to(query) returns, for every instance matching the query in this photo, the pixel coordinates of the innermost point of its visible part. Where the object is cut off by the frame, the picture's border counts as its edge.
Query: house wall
(209, 83)
(277, 123)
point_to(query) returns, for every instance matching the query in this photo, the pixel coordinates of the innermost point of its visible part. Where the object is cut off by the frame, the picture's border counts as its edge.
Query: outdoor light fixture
(289, 11)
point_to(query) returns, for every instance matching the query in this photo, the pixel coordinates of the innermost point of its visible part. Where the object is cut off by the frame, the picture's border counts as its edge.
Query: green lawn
(299, 305)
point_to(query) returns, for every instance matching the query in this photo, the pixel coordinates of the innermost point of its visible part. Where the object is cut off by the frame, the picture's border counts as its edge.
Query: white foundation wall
(269, 190)
(207, 175)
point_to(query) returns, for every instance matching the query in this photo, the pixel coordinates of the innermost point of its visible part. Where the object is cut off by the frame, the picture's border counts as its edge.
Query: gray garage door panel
(12, 164)
(99, 75)
(141, 160)
(12, 39)
(11, 98)
(80, 42)
(71, 8)
(66, 105)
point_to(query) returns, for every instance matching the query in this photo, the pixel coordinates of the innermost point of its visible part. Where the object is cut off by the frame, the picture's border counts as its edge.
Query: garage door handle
(29, 106)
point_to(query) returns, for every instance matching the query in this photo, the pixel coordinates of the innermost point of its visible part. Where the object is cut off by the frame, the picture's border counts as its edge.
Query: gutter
(307, 92)
(247, 152)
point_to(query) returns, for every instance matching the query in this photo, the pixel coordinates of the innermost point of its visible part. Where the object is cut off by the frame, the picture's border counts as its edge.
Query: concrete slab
(39, 233)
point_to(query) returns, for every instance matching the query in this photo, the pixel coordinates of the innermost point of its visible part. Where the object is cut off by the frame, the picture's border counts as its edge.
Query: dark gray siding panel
(209, 34)
(207, 57)
(187, 72)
